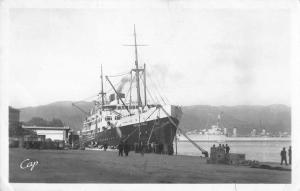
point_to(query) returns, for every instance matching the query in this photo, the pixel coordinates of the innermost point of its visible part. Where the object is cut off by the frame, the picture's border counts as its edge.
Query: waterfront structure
(253, 132)
(234, 132)
(14, 122)
(263, 132)
(54, 133)
(225, 131)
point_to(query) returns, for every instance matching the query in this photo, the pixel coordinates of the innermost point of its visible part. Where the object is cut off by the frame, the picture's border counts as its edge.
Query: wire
(149, 93)
(159, 87)
(127, 94)
(156, 89)
(120, 74)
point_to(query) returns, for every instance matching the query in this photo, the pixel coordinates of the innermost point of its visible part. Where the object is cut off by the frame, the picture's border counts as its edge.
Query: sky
(195, 56)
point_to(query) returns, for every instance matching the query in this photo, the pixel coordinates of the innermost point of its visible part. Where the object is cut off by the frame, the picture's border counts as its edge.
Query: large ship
(216, 133)
(132, 119)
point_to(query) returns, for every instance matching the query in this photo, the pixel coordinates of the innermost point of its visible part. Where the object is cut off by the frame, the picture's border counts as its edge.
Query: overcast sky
(198, 56)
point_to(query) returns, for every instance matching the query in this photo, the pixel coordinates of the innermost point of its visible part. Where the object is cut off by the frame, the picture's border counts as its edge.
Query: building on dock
(54, 133)
(14, 122)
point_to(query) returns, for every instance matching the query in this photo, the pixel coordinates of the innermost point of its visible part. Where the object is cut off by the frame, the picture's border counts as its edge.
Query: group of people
(141, 148)
(123, 147)
(222, 148)
(283, 156)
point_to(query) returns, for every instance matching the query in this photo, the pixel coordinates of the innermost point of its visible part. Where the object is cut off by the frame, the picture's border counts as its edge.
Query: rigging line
(86, 98)
(155, 92)
(152, 129)
(131, 133)
(154, 101)
(142, 84)
(150, 115)
(162, 92)
(120, 74)
(111, 89)
(156, 89)
(127, 94)
(151, 97)
(159, 87)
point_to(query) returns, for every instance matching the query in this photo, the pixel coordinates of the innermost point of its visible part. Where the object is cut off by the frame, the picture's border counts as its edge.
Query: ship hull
(160, 132)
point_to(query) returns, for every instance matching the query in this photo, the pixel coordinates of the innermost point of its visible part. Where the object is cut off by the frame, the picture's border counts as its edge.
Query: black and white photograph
(149, 92)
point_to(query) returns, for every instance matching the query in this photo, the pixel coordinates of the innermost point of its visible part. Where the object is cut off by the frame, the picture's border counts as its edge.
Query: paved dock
(89, 166)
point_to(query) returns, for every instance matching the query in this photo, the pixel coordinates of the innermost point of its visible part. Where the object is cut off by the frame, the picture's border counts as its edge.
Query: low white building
(54, 133)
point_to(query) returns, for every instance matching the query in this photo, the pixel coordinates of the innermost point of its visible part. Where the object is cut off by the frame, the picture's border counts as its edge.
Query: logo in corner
(29, 164)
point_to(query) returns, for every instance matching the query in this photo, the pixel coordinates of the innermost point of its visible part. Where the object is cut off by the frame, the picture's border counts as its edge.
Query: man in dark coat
(227, 149)
(290, 155)
(121, 148)
(283, 156)
(142, 148)
(126, 148)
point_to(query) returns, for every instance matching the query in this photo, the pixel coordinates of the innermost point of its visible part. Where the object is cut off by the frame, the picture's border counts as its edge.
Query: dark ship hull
(158, 133)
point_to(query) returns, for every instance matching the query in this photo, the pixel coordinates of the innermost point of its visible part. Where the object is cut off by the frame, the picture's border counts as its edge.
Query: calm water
(263, 151)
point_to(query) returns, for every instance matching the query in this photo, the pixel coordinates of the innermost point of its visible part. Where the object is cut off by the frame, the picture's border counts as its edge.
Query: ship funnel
(113, 97)
(124, 80)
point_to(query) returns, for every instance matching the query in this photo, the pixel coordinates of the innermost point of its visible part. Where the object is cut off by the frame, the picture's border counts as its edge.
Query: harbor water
(263, 151)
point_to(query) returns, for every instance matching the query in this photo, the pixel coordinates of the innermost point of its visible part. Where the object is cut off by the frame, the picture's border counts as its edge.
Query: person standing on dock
(142, 148)
(290, 155)
(220, 147)
(227, 149)
(283, 156)
(121, 148)
(126, 148)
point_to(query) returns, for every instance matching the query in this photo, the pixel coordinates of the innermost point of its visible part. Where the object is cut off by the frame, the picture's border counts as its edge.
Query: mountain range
(272, 118)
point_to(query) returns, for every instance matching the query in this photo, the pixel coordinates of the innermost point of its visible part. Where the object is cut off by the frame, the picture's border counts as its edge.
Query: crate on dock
(218, 155)
(236, 158)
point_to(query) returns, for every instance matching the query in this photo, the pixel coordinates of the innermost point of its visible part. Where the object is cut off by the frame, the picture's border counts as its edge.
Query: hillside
(273, 118)
(64, 110)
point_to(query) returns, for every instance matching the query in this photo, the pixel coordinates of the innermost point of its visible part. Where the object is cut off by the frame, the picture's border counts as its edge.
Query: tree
(38, 121)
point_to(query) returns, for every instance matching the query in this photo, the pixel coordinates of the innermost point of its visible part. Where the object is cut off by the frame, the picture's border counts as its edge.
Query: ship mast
(102, 93)
(145, 87)
(137, 71)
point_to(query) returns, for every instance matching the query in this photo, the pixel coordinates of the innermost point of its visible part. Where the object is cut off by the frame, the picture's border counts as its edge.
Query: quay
(92, 166)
